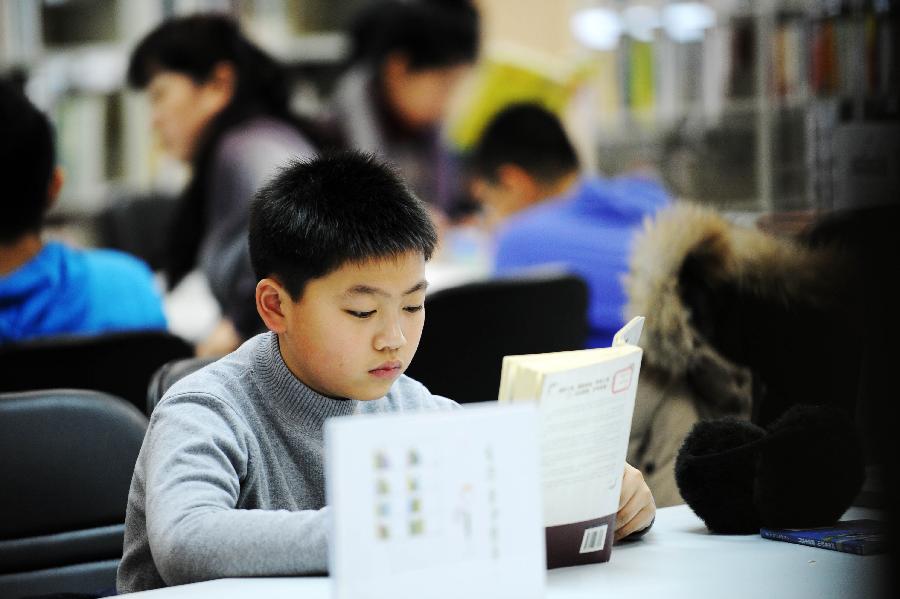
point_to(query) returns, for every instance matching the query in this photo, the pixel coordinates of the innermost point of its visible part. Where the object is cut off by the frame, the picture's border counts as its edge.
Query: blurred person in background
(219, 104)
(48, 288)
(527, 177)
(406, 60)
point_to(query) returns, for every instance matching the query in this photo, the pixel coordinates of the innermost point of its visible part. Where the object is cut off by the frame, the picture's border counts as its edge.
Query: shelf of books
(764, 105)
(854, 118)
(774, 105)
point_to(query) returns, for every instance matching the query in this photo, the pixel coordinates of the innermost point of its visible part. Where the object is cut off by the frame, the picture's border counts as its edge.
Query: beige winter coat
(683, 377)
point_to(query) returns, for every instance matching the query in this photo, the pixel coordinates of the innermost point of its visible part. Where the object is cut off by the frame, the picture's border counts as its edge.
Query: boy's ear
(57, 178)
(224, 77)
(395, 67)
(270, 300)
(220, 86)
(525, 189)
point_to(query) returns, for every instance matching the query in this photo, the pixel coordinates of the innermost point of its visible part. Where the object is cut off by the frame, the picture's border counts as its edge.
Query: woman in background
(219, 104)
(406, 59)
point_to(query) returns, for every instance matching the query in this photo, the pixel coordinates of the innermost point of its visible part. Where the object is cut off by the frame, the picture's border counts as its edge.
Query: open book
(585, 400)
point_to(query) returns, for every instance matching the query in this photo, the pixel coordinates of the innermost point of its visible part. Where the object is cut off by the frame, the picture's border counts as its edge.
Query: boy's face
(355, 330)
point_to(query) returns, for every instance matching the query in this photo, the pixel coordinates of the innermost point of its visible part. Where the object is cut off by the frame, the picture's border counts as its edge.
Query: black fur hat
(802, 471)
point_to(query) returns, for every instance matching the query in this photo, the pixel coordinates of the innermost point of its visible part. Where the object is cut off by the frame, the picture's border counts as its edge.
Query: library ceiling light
(640, 21)
(687, 21)
(597, 28)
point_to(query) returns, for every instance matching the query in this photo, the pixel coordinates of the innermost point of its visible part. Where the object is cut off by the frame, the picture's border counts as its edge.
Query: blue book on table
(862, 537)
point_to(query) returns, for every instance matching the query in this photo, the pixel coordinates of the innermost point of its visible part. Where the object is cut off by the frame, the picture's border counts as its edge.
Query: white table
(677, 559)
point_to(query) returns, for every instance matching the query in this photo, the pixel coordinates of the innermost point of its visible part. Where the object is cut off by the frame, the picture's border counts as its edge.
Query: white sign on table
(443, 504)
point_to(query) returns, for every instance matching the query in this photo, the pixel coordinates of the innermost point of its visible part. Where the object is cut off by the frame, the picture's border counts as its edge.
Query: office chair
(468, 330)
(116, 363)
(138, 225)
(170, 373)
(68, 458)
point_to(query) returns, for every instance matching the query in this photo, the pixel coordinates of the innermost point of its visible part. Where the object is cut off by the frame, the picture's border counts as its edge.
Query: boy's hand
(636, 506)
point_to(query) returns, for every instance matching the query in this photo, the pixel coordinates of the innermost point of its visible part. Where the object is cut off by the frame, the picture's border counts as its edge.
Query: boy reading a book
(229, 481)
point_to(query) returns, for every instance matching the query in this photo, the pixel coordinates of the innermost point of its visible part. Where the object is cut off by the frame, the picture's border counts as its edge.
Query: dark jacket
(739, 322)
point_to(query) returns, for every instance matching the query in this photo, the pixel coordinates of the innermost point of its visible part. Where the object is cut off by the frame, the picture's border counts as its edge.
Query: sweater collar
(289, 396)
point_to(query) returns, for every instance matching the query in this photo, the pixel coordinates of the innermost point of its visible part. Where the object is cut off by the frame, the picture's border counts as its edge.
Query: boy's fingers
(635, 504)
(627, 494)
(636, 509)
(640, 521)
(632, 480)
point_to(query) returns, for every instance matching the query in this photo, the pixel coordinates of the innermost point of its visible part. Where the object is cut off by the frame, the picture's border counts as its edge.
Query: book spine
(587, 542)
(778, 536)
(858, 549)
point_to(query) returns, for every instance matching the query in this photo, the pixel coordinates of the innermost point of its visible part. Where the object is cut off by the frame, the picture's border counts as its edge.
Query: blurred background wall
(754, 106)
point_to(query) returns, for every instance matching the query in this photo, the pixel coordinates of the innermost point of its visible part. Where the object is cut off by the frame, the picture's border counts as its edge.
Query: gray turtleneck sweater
(230, 479)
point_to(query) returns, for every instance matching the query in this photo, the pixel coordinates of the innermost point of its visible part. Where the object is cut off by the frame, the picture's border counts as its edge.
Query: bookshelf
(854, 117)
(778, 105)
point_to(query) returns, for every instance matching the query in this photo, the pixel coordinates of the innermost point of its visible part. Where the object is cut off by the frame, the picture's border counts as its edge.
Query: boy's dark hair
(528, 136)
(27, 160)
(320, 214)
(431, 33)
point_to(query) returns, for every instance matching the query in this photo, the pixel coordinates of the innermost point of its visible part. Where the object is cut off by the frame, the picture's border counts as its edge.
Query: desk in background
(192, 311)
(677, 559)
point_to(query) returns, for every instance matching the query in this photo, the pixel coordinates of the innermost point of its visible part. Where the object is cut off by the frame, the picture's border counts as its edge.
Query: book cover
(509, 74)
(585, 400)
(445, 501)
(862, 537)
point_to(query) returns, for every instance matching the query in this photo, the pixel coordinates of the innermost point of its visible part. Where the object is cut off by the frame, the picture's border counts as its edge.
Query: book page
(441, 503)
(521, 377)
(630, 334)
(585, 423)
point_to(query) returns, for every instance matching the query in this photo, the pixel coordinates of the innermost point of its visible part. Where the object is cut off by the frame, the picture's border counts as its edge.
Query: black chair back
(68, 458)
(138, 225)
(117, 363)
(468, 330)
(170, 373)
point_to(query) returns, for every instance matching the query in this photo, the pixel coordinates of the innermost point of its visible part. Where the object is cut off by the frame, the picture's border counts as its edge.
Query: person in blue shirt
(526, 175)
(48, 288)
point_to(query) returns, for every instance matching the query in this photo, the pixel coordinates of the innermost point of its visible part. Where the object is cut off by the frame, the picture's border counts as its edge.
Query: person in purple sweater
(406, 59)
(527, 177)
(48, 288)
(221, 105)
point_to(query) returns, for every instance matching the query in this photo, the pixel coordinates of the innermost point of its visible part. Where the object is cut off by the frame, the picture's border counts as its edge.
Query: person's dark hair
(193, 46)
(528, 136)
(27, 160)
(319, 214)
(431, 33)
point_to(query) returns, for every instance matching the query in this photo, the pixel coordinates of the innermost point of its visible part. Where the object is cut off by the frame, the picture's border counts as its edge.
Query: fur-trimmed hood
(750, 261)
